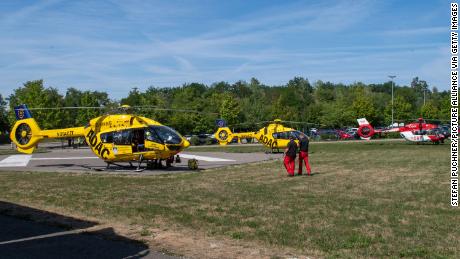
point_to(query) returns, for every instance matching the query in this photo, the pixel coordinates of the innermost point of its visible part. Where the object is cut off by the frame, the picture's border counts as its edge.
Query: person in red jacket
(289, 156)
(303, 154)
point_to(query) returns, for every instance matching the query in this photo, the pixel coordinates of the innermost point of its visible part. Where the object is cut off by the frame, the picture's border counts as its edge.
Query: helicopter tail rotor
(224, 135)
(25, 132)
(365, 130)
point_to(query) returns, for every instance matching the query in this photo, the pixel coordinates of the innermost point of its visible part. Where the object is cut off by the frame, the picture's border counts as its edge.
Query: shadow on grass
(31, 233)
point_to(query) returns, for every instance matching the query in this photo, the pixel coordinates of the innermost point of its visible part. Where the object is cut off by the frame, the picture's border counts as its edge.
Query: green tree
(324, 92)
(444, 110)
(4, 121)
(133, 99)
(429, 111)
(229, 109)
(363, 106)
(337, 116)
(419, 85)
(403, 110)
(88, 103)
(35, 95)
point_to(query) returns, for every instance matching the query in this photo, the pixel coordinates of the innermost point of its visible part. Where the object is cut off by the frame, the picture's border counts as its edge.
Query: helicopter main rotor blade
(171, 109)
(299, 122)
(66, 108)
(115, 108)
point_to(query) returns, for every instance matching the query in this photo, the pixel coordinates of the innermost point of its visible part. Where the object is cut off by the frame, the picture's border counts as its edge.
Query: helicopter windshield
(297, 134)
(162, 134)
(287, 134)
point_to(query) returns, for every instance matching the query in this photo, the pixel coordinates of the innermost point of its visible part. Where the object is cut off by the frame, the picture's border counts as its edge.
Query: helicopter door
(138, 140)
(154, 142)
(122, 142)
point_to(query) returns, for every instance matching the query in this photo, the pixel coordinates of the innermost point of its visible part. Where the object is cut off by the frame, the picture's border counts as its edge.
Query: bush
(211, 141)
(195, 141)
(328, 136)
(4, 139)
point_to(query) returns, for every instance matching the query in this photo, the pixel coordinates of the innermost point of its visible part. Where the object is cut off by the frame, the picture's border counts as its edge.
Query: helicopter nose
(186, 143)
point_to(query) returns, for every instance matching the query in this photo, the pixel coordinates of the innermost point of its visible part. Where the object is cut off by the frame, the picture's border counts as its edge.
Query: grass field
(385, 199)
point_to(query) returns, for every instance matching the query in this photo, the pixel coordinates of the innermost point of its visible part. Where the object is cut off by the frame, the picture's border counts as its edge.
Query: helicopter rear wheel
(169, 161)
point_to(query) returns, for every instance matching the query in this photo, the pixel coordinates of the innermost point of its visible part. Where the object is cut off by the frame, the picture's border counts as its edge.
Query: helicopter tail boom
(26, 133)
(224, 135)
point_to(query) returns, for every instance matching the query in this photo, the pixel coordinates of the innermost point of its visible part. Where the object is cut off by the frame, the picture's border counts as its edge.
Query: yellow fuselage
(274, 136)
(110, 137)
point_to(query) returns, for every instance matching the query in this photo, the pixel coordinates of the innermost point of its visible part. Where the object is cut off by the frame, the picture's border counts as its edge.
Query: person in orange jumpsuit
(289, 156)
(303, 154)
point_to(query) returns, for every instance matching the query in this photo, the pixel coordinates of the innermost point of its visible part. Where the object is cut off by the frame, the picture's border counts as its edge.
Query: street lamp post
(424, 95)
(392, 100)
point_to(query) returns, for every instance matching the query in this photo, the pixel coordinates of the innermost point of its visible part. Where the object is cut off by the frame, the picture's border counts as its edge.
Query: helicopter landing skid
(148, 164)
(119, 167)
(138, 169)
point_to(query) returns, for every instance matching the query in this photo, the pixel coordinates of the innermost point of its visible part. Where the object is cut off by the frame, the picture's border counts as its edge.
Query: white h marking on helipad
(205, 158)
(15, 161)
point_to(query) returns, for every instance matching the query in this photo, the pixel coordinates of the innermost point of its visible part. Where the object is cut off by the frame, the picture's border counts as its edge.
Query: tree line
(242, 104)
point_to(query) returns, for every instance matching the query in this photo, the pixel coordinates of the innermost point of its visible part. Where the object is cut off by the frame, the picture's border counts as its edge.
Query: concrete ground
(83, 160)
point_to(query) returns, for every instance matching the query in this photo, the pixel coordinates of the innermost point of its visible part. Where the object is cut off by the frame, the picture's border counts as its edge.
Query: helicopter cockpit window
(296, 134)
(281, 135)
(107, 137)
(434, 131)
(163, 134)
(150, 134)
(122, 137)
(287, 134)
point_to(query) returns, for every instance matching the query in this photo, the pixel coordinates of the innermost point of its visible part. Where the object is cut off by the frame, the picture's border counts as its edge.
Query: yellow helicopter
(113, 138)
(274, 136)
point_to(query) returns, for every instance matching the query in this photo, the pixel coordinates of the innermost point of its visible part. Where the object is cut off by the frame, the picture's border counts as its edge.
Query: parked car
(328, 134)
(353, 132)
(201, 139)
(445, 130)
(343, 135)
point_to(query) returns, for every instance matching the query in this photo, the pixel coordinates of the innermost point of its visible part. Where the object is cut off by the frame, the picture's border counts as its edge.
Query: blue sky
(116, 45)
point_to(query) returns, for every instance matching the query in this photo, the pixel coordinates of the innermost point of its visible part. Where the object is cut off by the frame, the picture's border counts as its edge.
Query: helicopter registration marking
(15, 161)
(206, 158)
(65, 133)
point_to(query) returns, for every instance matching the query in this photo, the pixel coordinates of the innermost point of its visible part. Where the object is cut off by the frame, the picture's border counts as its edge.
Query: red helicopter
(414, 132)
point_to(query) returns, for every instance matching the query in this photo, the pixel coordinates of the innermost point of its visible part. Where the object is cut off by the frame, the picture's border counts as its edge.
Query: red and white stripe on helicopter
(415, 132)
